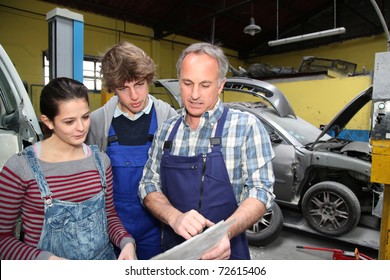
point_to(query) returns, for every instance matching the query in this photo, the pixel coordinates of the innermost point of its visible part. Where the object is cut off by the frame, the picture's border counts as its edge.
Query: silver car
(325, 178)
(19, 126)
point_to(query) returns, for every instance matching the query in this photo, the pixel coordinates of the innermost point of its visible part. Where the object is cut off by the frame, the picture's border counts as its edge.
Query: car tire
(267, 229)
(331, 208)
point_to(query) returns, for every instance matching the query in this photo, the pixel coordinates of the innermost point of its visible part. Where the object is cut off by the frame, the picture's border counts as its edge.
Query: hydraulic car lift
(380, 141)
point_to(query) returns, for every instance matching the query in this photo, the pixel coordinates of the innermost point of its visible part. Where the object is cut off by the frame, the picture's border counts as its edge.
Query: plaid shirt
(246, 149)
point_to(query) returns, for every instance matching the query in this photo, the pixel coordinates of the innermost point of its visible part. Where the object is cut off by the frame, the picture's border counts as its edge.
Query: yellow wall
(359, 51)
(318, 101)
(24, 35)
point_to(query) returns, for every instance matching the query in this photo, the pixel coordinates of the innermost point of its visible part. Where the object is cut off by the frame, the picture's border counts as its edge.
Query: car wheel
(331, 208)
(267, 229)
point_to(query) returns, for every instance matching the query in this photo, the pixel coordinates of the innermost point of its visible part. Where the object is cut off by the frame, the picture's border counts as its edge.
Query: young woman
(61, 189)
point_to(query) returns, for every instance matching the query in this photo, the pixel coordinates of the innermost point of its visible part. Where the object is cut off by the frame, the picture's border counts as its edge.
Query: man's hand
(190, 224)
(220, 252)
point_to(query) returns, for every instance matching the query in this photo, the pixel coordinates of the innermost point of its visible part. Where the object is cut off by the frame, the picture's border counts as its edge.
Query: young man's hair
(126, 62)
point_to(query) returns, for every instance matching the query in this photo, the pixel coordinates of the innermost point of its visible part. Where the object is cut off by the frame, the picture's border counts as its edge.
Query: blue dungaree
(127, 167)
(73, 230)
(202, 183)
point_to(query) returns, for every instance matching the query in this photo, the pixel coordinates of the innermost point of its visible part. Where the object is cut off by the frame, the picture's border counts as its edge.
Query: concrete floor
(297, 233)
(285, 248)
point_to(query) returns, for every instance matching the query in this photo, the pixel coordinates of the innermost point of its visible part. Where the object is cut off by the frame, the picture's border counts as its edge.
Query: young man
(124, 128)
(209, 163)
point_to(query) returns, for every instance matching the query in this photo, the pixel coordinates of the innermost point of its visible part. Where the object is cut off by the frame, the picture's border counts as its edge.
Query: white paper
(195, 247)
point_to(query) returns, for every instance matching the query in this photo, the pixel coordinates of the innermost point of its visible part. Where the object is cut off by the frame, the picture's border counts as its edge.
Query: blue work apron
(202, 183)
(73, 230)
(127, 167)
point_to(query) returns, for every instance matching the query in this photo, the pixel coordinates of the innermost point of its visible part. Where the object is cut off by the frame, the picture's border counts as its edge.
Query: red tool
(340, 254)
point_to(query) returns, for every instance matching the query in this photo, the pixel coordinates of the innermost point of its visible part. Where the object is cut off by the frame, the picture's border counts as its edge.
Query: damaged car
(323, 176)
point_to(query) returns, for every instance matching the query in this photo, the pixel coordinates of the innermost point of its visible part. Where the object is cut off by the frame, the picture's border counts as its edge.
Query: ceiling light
(309, 36)
(252, 28)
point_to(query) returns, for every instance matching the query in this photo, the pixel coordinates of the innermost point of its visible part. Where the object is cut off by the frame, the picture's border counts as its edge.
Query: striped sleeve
(12, 194)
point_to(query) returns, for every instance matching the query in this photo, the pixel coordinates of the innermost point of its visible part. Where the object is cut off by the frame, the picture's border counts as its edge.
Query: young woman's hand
(128, 252)
(53, 257)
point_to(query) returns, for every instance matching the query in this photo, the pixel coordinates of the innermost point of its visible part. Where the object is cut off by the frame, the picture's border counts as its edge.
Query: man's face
(133, 96)
(199, 84)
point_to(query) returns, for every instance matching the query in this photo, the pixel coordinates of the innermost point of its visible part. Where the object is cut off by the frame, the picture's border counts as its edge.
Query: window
(46, 68)
(91, 72)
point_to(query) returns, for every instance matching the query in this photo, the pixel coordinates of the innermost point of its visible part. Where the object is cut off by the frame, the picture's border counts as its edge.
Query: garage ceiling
(223, 21)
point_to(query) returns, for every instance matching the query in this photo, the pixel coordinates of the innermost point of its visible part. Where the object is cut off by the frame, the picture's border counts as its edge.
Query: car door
(283, 164)
(19, 126)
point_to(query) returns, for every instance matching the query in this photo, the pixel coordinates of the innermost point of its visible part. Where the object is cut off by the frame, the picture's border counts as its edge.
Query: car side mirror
(275, 138)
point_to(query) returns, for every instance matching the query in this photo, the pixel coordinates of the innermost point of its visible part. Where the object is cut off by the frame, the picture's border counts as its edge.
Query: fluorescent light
(315, 35)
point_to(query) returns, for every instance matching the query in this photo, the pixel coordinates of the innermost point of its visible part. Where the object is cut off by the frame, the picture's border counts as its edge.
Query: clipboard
(195, 247)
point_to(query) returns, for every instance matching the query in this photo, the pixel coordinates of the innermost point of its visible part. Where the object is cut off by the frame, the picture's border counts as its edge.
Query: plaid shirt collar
(209, 117)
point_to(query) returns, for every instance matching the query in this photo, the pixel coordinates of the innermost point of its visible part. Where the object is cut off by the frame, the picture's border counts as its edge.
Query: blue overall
(202, 183)
(73, 230)
(127, 166)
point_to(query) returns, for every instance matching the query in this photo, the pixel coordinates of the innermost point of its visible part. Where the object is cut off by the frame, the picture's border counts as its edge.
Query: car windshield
(301, 130)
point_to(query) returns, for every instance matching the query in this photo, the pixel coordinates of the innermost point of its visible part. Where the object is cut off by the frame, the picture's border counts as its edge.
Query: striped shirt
(74, 181)
(246, 149)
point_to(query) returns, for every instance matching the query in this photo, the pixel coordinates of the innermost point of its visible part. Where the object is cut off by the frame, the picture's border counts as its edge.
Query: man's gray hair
(212, 51)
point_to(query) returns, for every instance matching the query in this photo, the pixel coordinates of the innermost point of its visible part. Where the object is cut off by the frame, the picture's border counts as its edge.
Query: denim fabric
(73, 230)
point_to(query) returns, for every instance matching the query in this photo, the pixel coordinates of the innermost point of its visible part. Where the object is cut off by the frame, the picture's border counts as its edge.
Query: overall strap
(112, 138)
(216, 140)
(168, 142)
(99, 164)
(153, 125)
(32, 161)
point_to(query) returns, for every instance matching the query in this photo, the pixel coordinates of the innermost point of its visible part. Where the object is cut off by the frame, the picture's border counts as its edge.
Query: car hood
(336, 125)
(264, 90)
